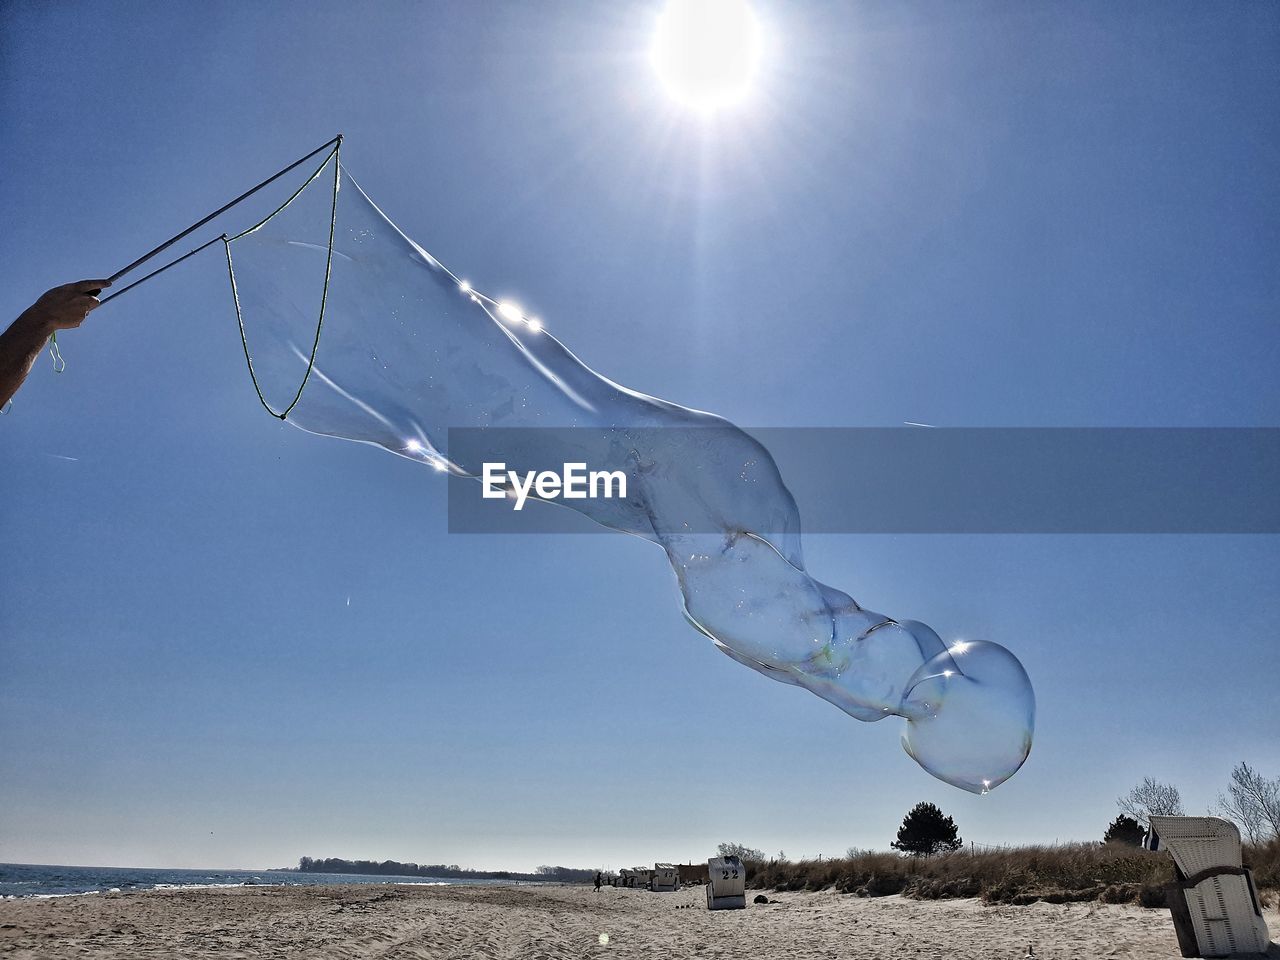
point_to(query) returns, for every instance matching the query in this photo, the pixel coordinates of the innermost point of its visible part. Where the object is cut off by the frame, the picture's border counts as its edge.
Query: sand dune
(548, 923)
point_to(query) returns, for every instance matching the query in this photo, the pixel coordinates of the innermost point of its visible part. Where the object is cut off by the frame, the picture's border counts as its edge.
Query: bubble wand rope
(334, 143)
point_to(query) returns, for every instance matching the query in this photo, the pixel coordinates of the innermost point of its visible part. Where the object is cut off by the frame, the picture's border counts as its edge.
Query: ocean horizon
(57, 880)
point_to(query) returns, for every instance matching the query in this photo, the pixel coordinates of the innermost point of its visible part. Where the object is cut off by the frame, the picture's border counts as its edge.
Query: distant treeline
(452, 871)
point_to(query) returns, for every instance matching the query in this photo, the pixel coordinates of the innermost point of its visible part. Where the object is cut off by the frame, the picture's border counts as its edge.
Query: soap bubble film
(410, 349)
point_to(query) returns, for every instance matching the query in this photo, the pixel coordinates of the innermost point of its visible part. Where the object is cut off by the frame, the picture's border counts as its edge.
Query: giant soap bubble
(410, 350)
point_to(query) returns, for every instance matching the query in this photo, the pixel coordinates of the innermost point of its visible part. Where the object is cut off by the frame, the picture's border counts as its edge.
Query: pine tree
(926, 830)
(1124, 830)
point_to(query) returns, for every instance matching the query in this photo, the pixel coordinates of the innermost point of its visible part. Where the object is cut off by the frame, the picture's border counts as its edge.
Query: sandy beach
(542, 923)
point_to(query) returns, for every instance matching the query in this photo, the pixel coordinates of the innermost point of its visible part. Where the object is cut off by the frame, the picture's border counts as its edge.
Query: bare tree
(1151, 797)
(739, 850)
(1253, 802)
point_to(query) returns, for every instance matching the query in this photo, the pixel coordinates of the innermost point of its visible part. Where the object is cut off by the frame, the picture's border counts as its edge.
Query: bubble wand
(334, 143)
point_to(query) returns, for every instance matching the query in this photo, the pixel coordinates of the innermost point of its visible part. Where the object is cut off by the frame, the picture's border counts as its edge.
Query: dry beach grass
(552, 922)
(1111, 873)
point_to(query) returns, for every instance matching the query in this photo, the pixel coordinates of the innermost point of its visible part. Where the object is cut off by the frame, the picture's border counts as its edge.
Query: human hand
(65, 307)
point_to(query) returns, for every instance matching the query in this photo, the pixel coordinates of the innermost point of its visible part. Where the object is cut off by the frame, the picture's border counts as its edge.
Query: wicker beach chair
(726, 889)
(1214, 903)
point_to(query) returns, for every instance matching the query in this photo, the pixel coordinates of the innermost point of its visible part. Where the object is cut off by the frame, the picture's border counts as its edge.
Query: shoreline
(551, 922)
(35, 881)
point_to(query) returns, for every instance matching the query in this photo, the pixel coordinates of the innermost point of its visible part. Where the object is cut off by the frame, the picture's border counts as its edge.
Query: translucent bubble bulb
(410, 349)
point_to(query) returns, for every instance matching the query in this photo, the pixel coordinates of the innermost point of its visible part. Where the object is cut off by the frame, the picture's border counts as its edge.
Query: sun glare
(706, 52)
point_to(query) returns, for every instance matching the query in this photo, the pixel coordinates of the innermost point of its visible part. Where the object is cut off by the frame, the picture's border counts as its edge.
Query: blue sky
(989, 214)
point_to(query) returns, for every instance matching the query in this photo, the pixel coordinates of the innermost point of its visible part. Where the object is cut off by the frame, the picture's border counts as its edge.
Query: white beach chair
(1215, 906)
(728, 887)
(635, 878)
(664, 878)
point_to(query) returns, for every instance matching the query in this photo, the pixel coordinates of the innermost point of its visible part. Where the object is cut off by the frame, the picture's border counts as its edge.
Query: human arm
(61, 308)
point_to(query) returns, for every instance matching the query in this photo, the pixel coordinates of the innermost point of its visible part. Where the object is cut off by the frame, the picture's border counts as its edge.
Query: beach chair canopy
(1199, 843)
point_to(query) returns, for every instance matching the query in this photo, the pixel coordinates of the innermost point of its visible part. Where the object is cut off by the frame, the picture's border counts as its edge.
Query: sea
(44, 880)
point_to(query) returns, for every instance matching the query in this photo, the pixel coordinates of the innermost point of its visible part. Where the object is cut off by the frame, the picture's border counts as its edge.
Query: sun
(707, 52)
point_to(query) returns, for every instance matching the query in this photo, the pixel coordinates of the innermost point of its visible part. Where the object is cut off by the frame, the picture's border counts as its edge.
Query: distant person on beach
(599, 880)
(61, 308)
